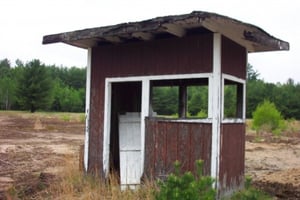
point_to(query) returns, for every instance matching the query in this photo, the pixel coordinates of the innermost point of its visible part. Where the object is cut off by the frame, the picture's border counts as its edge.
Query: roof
(253, 38)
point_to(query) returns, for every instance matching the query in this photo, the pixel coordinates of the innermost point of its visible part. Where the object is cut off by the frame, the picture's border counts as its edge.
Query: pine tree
(35, 87)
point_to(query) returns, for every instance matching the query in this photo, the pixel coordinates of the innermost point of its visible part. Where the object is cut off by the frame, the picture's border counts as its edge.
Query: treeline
(285, 96)
(36, 86)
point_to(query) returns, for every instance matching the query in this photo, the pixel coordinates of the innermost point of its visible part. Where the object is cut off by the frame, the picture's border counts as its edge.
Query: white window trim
(204, 121)
(243, 82)
(144, 108)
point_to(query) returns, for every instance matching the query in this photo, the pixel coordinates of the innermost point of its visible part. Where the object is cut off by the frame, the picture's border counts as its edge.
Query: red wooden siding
(96, 125)
(232, 157)
(168, 141)
(234, 58)
(192, 54)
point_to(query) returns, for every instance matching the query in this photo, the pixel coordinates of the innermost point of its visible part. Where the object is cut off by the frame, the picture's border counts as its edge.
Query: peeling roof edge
(252, 37)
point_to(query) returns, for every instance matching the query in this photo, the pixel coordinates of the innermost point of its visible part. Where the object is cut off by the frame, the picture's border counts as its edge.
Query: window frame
(243, 83)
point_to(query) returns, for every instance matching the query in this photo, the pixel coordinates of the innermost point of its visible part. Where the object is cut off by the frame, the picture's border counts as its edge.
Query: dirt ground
(273, 163)
(34, 147)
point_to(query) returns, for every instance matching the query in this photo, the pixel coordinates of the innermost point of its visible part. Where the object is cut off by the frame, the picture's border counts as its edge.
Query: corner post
(87, 109)
(215, 106)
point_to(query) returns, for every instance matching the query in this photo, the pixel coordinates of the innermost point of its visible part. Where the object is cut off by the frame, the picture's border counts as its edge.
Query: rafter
(143, 35)
(113, 39)
(175, 29)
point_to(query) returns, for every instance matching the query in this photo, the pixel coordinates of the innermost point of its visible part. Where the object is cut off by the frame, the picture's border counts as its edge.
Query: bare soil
(273, 163)
(34, 147)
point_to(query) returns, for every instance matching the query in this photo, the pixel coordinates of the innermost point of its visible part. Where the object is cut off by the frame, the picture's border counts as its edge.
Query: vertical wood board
(232, 161)
(185, 142)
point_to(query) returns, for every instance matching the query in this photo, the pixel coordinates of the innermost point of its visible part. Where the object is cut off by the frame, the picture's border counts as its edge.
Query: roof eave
(253, 38)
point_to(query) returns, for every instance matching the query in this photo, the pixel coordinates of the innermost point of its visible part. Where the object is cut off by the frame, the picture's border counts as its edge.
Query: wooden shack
(126, 62)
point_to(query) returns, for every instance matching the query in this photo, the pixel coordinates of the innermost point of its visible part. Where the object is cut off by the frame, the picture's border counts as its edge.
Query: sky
(24, 23)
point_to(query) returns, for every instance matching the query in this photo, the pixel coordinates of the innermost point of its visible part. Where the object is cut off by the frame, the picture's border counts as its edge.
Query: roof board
(253, 38)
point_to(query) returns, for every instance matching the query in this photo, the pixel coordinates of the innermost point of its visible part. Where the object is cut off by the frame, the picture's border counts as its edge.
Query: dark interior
(125, 97)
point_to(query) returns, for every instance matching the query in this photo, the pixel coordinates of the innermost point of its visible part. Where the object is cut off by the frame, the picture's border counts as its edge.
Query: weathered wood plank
(183, 146)
(160, 145)
(247, 35)
(172, 146)
(232, 149)
(149, 149)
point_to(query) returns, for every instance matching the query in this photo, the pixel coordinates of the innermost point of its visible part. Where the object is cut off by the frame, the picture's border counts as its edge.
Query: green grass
(63, 116)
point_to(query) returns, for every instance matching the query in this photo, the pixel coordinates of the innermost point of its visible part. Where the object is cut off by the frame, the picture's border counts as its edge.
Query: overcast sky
(23, 23)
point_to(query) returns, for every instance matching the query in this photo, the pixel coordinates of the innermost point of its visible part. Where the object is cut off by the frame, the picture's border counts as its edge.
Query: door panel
(130, 149)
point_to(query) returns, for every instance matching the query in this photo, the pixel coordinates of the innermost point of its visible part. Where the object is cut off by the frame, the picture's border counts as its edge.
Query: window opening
(179, 98)
(164, 101)
(233, 99)
(197, 101)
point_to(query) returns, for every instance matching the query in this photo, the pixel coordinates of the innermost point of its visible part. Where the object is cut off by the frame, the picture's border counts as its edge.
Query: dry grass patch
(74, 184)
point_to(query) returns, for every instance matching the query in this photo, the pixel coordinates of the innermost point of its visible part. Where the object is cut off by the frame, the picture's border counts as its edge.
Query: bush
(186, 186)
(266, 117)
(250, 193)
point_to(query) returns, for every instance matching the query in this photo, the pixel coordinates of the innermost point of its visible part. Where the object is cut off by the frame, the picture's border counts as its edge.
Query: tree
(165, 100)
(7, 85)
(4, 67)
(197, 100)
(252, 74)
(266, 117)
(35, 87)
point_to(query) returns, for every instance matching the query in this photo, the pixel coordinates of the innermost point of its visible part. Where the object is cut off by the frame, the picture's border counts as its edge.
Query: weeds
(66, 118)
(75, 184)
(250, 193)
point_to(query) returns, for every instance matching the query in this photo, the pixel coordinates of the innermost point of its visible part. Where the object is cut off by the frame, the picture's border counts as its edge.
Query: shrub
(186, 186)
(266, 117)
(250, 193)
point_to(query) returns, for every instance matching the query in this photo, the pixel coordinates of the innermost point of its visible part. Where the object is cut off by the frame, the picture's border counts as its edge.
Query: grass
(250, 193)
(75, 184)
(62, 116)
(292, 126)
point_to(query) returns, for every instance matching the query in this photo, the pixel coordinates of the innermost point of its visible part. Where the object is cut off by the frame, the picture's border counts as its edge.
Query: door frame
(107, 116)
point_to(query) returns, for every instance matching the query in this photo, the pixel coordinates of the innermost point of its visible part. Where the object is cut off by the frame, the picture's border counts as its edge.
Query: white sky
(23, 23)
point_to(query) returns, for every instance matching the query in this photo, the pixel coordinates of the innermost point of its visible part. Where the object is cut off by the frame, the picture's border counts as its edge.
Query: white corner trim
(244, 101)
(215, 106)
(144, 114)
(87, 109)
(106, 127)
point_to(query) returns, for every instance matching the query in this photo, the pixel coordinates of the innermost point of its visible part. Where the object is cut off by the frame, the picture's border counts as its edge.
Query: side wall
(170, 141)
(191, 54)
(232, 160)
(234, 58)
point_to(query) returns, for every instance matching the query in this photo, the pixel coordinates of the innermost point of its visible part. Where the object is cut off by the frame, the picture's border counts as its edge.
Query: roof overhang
(253, 38)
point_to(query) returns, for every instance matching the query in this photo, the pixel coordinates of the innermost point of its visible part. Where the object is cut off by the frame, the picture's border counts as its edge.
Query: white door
(130, 149)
